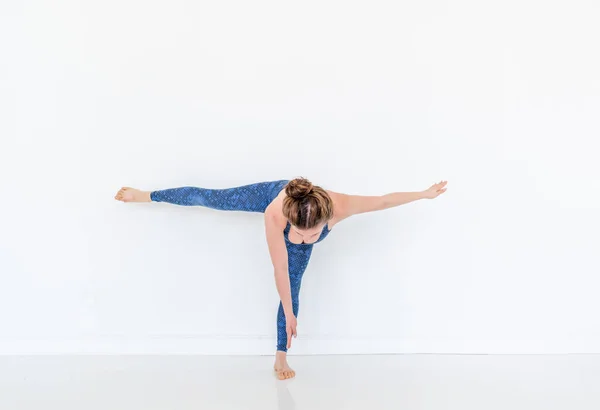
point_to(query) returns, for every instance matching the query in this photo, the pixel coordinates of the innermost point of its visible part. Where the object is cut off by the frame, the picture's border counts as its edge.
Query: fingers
(291, 332)
(439, 187)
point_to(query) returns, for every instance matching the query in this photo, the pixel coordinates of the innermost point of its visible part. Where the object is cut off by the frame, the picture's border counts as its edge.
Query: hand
(435, 190)
(290, 328)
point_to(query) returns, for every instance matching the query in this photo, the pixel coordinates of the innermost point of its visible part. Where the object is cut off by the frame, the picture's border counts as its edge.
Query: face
(308, 235)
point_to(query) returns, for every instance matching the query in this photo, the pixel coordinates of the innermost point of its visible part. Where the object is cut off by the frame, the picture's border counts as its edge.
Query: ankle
(281, 356)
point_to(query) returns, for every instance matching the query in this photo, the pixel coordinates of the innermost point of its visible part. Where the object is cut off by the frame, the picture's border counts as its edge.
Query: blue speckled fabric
(250, 198)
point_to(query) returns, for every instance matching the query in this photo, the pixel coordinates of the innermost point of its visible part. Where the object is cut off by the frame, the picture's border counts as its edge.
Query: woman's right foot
(127, 194)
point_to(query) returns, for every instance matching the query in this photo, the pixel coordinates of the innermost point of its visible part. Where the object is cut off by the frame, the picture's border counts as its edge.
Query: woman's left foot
(282, 368)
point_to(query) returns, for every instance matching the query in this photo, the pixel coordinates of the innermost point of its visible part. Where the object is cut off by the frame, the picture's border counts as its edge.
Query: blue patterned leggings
(249, 198)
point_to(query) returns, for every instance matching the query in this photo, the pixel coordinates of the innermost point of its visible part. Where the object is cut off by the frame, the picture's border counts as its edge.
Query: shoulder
(340, 201)
(340, 207)
(274, 213)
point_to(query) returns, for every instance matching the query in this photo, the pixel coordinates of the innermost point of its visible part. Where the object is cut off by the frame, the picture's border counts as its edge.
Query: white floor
(409, 382)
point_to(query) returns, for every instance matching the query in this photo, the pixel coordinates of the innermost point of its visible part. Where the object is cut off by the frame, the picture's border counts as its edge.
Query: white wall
(502, 100)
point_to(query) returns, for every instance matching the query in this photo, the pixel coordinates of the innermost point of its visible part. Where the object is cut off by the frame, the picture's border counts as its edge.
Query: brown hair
(306, 205)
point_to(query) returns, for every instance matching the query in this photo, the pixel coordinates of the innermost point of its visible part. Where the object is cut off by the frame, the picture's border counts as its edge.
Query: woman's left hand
(435, 190)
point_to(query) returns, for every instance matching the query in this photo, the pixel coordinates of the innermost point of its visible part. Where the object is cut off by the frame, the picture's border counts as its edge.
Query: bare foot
(127, 194)
(281, 367)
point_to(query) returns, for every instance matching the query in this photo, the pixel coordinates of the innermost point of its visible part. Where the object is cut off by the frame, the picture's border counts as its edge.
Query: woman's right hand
(290, 327)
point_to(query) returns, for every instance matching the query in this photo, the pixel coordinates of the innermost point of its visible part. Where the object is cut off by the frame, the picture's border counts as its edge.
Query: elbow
(384, 202)
(280, 270)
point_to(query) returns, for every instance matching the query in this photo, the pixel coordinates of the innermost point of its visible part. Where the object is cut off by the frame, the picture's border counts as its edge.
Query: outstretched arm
(357, 204)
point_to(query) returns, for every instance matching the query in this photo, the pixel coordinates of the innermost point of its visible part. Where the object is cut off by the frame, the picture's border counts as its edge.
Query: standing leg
(298, 257)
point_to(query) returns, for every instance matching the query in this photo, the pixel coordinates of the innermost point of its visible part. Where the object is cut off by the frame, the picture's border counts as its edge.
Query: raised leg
(250, 198)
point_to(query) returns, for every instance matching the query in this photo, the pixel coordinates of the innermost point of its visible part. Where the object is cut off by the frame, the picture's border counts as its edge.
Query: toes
(285, 374)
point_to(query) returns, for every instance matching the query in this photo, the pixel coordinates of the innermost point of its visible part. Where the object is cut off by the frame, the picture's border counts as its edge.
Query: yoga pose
(297, 215)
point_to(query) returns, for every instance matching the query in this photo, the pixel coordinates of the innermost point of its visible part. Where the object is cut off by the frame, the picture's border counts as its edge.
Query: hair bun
(299, 188)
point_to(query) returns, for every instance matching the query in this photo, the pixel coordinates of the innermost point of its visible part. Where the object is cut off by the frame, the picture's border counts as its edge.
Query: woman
(297, 215)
